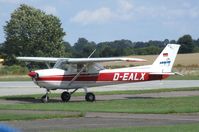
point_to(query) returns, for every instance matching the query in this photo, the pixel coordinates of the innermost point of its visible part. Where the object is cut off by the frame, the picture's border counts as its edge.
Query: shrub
(13, 70)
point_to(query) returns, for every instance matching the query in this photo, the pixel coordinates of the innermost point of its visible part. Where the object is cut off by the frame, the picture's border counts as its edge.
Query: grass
(168, 128)
(186, 77)
(15, 78)
(135, 105)
(13, 70)
(16, 116)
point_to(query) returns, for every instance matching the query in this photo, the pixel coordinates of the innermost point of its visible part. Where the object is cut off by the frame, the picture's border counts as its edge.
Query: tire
(65, 96)
(44, 99)
(90, 97)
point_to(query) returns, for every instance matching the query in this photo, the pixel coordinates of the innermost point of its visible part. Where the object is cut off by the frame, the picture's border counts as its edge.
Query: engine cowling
(33, 74)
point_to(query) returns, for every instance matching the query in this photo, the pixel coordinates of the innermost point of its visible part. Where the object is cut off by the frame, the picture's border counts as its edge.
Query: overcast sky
(107, 20)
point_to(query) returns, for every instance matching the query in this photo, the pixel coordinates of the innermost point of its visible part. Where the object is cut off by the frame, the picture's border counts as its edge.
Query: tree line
(32, 32)
(82, 48)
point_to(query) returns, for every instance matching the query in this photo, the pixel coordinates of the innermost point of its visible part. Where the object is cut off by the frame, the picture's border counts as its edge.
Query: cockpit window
(80, 66)
(98, 67)
(62, 65)
(76, 68)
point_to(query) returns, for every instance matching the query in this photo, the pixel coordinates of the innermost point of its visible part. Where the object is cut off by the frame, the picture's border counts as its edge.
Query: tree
(166, 41)
(1, 45)
(196, 45)
(172, 42)
(1, 50)
(83, 48)
(68, 49)
(123, 47)
(186, 43)
(31, 32)
(115, 48)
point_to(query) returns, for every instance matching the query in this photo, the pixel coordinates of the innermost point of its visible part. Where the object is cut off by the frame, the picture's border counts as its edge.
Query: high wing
(39, 59)
(78, 60)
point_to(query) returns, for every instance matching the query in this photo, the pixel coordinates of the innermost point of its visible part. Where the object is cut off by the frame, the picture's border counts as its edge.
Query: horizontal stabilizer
(177, 73)
(161, 73)
(166, 73)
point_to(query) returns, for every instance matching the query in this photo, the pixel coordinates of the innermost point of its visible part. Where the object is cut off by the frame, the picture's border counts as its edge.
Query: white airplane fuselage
(60, 79)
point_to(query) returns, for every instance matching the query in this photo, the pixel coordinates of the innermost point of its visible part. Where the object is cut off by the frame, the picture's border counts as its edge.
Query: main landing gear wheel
(90, 97)
(65, 96)
(44, 99)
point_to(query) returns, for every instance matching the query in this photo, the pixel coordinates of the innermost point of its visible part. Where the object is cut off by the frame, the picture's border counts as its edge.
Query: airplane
(81, 73)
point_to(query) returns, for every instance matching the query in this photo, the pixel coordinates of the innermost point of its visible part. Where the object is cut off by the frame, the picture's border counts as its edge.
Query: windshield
(75, 68)
(62, 65)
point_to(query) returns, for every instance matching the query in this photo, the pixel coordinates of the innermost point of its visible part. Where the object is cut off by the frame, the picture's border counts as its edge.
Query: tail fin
(165, 60)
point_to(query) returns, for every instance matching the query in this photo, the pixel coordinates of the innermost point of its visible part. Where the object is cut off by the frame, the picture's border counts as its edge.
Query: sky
(109, 20)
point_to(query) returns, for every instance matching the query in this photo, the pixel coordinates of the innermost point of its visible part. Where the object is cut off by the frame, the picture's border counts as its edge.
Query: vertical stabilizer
(165, 60)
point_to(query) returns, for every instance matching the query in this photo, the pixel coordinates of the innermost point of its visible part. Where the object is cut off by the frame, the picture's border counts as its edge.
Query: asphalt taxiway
(24, 100)
(28, 87)
(105, 120)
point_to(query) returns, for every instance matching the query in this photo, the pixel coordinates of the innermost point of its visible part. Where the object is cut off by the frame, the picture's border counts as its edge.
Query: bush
(13, 70)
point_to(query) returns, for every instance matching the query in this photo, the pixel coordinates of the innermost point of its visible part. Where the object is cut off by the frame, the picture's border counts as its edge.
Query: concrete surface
(28, 87)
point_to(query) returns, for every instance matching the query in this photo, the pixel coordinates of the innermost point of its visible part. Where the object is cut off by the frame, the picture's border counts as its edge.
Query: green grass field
(33, 116)
(15, 78)
(185, 77)
(135, 105)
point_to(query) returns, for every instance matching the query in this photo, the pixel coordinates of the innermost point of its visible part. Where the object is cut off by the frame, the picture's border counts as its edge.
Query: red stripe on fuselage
(118, 76)
(83, 77)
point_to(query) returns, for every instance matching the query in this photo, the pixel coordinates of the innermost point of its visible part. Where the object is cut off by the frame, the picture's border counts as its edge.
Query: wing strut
(92, 53)
(78, 74)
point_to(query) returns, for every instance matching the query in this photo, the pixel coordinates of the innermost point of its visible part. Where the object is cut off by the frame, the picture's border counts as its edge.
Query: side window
(64, 66)
(73, 68)
(80, 66)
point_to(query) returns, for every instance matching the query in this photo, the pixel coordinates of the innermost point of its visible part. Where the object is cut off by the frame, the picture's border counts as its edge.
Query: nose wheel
(45, 98)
